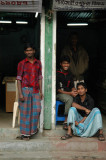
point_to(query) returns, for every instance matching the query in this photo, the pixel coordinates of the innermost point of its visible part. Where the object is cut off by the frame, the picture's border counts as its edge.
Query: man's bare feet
(101, 137)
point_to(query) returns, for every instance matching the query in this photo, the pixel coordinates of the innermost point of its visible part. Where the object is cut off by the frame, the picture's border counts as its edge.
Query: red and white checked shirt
(29, 74)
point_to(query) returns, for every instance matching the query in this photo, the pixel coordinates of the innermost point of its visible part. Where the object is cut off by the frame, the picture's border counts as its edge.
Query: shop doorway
(12, 39)
(92, 37)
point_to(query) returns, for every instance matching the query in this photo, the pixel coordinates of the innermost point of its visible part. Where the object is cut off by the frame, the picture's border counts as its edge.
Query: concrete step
(59, 131)
(41, 143)
(53, 155)
(48, 141)
(12, 133)
(9, 133)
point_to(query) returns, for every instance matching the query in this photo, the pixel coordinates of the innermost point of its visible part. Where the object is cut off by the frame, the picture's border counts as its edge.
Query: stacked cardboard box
(10, 92)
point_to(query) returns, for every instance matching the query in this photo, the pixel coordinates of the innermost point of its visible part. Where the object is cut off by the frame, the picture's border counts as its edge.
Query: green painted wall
(48, 74)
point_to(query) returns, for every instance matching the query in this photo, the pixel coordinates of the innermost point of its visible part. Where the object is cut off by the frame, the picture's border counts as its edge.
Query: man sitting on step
(83, 118)
(65, 86)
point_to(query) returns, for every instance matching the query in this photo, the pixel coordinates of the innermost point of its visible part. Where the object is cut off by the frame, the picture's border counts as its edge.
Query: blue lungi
(29, 112)
(89, 127)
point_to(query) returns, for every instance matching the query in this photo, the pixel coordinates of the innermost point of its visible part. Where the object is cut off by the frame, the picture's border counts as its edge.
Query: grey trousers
(67, 99)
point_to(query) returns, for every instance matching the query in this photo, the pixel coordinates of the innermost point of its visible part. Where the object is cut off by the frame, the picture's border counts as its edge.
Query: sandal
(37, 130)
(66, 136)
(65, 126)
(101, 137)
(22, 137)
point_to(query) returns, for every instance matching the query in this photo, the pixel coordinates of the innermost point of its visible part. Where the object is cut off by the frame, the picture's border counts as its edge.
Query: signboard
(21, 6)
(67, 5)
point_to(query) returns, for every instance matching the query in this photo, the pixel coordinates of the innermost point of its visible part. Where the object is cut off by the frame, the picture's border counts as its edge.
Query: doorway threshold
(5, 119)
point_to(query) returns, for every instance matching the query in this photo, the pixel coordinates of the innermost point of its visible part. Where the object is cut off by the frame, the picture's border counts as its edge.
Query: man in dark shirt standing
(65, 86)
(78, 57)
(83, 118)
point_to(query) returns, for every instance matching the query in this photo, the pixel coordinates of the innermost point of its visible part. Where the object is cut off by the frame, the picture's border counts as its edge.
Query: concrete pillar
(48, 59)
(48, 74)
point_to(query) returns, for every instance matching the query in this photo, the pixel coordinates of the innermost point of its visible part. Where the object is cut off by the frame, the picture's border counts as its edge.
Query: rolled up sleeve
(19, 71)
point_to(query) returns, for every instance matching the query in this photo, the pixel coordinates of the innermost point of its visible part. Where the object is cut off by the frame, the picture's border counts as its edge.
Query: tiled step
(53, 155)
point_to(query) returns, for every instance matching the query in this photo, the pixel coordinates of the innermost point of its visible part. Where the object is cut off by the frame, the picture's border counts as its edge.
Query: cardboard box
(10, 92)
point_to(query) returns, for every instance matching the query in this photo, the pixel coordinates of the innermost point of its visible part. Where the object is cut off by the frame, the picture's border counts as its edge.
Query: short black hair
(65, 58)
(28, 45)
(82, 84)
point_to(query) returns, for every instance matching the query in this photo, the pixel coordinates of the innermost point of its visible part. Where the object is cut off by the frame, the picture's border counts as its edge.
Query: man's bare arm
(40, 87)
(77, 106)
(21, 97)
(72, 93)
(76, 123)
(83, 120)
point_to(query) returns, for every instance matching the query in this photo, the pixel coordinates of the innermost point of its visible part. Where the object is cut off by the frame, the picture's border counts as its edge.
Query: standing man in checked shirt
(29, 79)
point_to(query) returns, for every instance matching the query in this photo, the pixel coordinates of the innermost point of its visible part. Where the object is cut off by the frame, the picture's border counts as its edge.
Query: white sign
(21, 6)
(66, 5)
(11, 87)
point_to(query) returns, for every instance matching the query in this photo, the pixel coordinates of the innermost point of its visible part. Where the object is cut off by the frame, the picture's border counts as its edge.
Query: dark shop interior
(92, 38)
